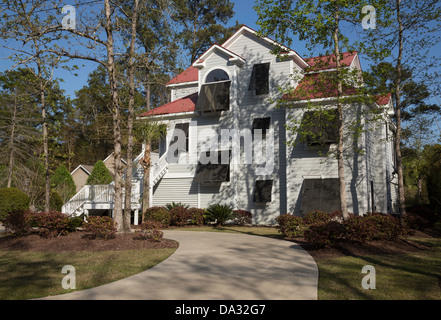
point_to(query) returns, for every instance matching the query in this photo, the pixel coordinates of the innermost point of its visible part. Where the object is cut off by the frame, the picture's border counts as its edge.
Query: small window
(214, 172)
(262, 190)
(262, 124)
(260, 78)
(320, 127)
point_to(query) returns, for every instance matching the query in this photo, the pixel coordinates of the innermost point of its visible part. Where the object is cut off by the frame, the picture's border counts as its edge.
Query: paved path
(218, 265)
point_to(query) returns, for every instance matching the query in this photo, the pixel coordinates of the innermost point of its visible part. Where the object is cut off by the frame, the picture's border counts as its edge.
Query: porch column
(135, 219)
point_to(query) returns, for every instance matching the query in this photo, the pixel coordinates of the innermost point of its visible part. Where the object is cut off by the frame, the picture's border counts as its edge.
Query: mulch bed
(76, 241)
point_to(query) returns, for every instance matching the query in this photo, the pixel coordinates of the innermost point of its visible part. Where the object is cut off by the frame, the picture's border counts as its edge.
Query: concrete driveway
(218, 265)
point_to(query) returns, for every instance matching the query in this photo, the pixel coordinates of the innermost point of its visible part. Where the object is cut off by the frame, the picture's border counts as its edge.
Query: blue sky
(244, 14)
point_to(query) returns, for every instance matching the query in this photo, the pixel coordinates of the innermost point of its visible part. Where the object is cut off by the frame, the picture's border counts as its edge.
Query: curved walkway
(218, 265)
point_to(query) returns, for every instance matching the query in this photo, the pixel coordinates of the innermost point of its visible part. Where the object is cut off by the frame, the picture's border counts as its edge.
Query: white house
(227, 139)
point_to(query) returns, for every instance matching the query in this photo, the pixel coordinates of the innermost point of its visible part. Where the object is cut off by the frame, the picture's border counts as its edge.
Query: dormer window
(215, 92)
(260, 78)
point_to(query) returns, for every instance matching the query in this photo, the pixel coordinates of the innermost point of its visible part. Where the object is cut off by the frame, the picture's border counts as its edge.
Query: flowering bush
(150, 231)
(290, 225)
(100, 227)
(179, 216)
(52, 223)
(325, 234)
(385, 226)
(359, 229)
(316, 216)
(196, 216)
(159, 214)
(19, 222)
(242, 217)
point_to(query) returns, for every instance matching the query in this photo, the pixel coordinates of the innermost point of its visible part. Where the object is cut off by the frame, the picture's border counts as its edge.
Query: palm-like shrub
(219, 213)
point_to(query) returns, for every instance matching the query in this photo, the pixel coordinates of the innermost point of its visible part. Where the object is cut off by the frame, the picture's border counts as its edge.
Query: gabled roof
(233, 56)
(329, 62)
(191, 74)
(288, 51)
(86, 168)
(317, 86)
(185, 104)
(321, 85)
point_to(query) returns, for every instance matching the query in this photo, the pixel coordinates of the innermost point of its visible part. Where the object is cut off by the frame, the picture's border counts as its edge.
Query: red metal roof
(188, 75)
(328, 62)
(316, 86)
(185, 104)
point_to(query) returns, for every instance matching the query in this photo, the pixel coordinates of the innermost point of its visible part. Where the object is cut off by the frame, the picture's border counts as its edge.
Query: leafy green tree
(62, 183)
(202, 23)
(18, 119)
(319, 24)
(407, 33)
(147, 132)
(100, 174)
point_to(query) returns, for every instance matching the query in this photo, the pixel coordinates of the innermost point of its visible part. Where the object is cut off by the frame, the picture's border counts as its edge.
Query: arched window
(216, 75)
(215, 92)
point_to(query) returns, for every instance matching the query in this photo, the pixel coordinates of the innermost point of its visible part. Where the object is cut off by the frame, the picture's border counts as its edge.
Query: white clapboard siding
(183, 190)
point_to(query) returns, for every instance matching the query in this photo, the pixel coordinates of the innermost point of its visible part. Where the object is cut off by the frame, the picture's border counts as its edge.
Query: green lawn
(410, 276)
(27, 275)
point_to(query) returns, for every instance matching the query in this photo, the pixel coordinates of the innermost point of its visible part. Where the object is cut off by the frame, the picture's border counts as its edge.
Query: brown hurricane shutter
(262, 191)
(260, 78)
(212, 172)
(214, 97)
(320, 194)
(323, 127)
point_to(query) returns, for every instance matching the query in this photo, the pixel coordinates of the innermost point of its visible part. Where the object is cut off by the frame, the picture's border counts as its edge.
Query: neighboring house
(228, 95)
(83, 171)
(80, 175)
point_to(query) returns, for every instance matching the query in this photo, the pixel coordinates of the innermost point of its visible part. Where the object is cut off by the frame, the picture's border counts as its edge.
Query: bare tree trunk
(398, 115)
(117, 197)
(11, 154)
(146, 179)
(131, 72)
(340, 147)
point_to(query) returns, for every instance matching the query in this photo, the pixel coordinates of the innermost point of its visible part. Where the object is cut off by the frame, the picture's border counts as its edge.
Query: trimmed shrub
(326, 234)
(12, 199)
(179, 216)
(52, 223)
(19, 222)
(386, 227)
(358, 229)
(415, 222)
(74, 223)
(196, 216)
(159, 214)
(290, 225)
(242, 217)
(219, 213)
(425, 213)
(100, 227)
(149, 231)
(316, 216)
